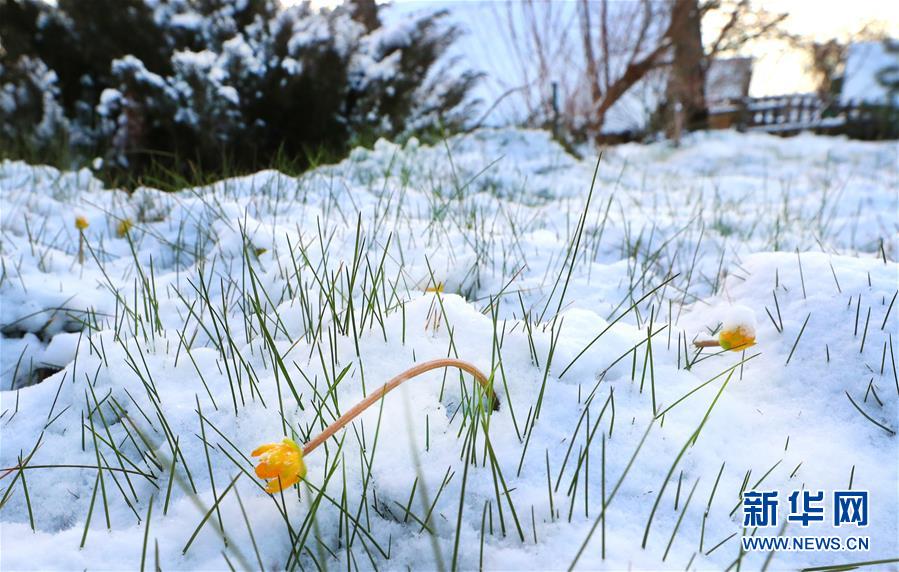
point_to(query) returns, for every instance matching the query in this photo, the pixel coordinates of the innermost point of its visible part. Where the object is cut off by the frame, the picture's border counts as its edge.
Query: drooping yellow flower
(123, 227)
(81, 222)
(281, 463)
(737, 338)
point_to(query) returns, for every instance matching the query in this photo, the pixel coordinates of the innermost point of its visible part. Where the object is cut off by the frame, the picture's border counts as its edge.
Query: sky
(823, 19)
(779, 69)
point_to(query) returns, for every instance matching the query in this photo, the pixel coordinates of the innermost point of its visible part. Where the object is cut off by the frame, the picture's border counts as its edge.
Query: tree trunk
(686, 84)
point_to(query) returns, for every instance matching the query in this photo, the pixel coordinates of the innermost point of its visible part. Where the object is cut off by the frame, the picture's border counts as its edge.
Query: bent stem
(717, 344)
(374, 397)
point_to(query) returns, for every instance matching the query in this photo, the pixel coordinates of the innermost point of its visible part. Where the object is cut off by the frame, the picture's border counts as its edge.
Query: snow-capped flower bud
(81, 222)
(738, 330)
(736, 339)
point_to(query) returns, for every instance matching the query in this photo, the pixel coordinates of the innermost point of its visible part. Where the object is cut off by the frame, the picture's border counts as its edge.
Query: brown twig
(374, 397)
(706, 344)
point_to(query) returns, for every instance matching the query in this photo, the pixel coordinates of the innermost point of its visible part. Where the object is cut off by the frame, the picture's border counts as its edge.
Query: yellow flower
(281, 463)
(123, 227)
(736, 338)
(81, 222)
(437, 288)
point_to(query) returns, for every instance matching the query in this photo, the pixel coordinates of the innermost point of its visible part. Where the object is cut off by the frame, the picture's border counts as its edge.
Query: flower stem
(374, 397)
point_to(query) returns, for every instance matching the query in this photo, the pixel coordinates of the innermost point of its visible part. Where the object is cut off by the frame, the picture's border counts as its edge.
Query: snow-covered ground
(263, 306)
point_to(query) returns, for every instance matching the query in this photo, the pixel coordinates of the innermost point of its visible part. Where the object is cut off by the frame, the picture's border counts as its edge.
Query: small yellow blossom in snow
(281, 463)
(123, 227)
(437, 288)
(737, 338)
(81, 222)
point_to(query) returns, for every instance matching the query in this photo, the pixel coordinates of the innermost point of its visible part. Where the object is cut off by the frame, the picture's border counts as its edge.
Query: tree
(620, 48)
(827, 59)
(215, 84)
(686, 80)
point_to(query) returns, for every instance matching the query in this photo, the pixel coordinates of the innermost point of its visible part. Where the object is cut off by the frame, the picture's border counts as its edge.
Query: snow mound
(262, 306)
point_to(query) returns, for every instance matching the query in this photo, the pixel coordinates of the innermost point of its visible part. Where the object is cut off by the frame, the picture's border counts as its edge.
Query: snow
(133, 65)
(868, 66)
(17, 99)
(796, 237)
(739, 317)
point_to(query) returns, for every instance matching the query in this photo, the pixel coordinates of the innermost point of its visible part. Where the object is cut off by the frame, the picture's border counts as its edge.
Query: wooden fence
(791, 114)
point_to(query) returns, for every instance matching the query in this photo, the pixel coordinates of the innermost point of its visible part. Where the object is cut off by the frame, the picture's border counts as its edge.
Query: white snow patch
(167, 324)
